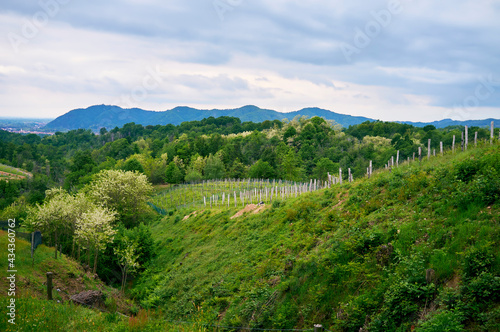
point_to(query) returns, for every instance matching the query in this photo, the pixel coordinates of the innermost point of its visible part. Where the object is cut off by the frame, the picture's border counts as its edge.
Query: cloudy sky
(391, 60)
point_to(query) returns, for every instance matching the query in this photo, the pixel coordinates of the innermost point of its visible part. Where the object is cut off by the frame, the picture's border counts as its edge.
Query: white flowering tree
(124, 192)
(53, 216)
(95, 230)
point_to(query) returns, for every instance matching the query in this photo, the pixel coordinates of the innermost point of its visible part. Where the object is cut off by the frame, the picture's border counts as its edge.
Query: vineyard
(239, 192)
(230, 193)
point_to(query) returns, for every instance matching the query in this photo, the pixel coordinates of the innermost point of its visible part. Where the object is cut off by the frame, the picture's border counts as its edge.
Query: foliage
(124, 192)
(94, 229)
(261, 170)
(214, 168)
(382, 254)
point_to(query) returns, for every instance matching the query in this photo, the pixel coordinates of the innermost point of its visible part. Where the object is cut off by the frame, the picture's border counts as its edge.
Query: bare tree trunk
(95, 260)
(88, 257)
(55, 244)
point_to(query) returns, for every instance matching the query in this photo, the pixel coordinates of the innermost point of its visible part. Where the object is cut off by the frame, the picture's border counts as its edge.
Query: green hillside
(12, 173)
(415, 248)
(33, 311)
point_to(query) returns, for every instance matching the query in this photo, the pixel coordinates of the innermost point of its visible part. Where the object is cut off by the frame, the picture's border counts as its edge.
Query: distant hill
(98, 116)
(108, 116)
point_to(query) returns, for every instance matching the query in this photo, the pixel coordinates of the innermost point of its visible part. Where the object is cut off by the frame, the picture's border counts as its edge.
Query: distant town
(25, 126)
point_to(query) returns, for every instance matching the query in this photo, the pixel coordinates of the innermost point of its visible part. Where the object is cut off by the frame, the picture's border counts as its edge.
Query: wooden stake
(49, 286)
(466, 137)
(429, 149)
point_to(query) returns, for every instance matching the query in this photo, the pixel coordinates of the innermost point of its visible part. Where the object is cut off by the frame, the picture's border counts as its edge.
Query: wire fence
(316, 328)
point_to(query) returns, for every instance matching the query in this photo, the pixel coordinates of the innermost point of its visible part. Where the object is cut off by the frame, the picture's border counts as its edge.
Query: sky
(403, 60)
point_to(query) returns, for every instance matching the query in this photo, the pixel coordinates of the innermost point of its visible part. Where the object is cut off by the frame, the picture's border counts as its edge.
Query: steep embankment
(33, 311)
(417, 247)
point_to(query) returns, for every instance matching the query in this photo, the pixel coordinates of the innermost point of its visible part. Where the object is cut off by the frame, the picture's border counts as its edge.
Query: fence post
(318, 328)
(49, 285)
(429, 149)
(453, 144)
(441, 147)
(462, 143)
(466, 137)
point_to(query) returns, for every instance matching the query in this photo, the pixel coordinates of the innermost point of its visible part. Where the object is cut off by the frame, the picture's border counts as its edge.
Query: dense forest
(83, 181)
(213, 148)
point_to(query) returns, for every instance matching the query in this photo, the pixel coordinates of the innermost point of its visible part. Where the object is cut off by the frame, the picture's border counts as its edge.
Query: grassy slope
(9, 172)
(347, 257)
(34, 313)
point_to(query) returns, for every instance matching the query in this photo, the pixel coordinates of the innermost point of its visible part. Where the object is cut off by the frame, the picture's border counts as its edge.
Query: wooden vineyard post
(397, 159)
(466, 137)
(434, 152)
(318, 328)
(419, 153)
(453, 144)
(441, 148)
(413, 156)
(428, 149)
(475, 138)
(340, 175)
(349, 174)
(49, 286)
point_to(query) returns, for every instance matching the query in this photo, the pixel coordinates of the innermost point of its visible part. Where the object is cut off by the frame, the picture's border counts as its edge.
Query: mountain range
(108, 116)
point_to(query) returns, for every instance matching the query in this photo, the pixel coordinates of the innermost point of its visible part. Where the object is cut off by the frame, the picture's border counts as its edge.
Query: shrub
(484, 288)
(465, 170)
(477, 260)
(443, 321)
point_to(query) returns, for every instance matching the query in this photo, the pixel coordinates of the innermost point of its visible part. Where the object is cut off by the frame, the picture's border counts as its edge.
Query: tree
(324, 166)
(94, 229)
(261, 170)
(238, 170)
(290, 132)
(127, 258)
(53, 216)
(214, 168)
(133, 165)
(173, 174)
(124, 192)
(81, 170)
(193, 175)
(289, 167)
